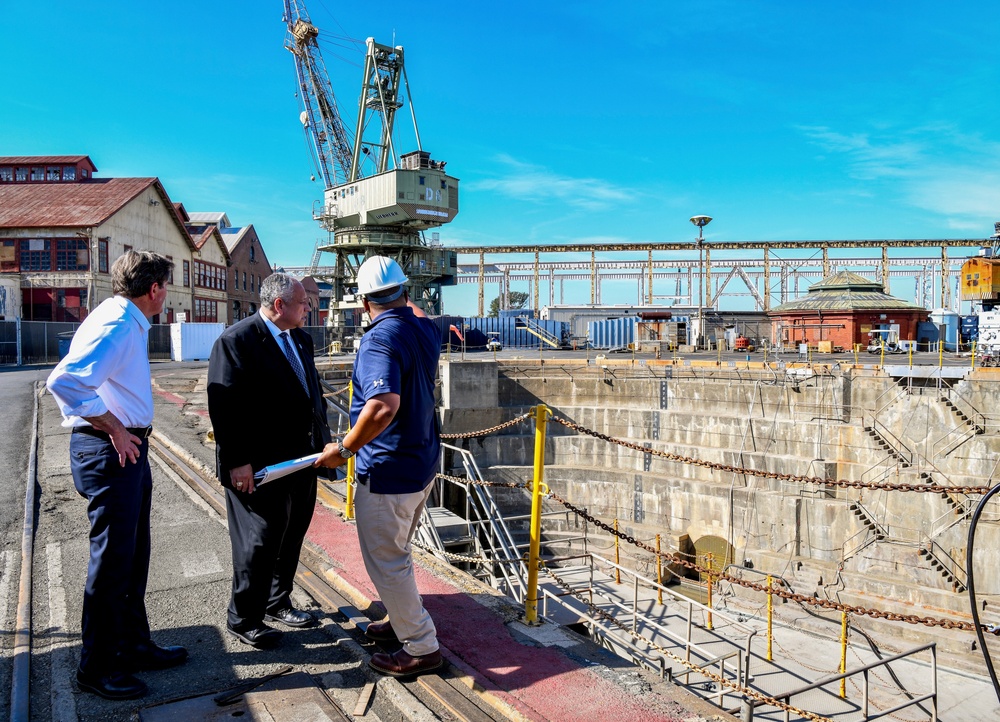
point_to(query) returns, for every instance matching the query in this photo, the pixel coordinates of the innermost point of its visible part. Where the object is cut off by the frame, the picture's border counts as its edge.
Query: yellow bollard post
(531, 598)
(618, 560)
(973, 355)
(881, 358)
(910, 349)
(349, 479)
(770, 617)
(940, 354)
(659, 572)
(843, 654)
(708, 603)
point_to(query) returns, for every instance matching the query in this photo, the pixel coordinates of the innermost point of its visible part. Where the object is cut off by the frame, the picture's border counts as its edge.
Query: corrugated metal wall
(611, 333)
(508, 333)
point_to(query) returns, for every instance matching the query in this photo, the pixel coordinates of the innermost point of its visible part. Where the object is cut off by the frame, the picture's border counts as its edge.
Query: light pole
(701, 222)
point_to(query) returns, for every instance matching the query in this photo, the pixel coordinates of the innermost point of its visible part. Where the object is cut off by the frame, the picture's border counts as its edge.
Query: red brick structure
(842, 309)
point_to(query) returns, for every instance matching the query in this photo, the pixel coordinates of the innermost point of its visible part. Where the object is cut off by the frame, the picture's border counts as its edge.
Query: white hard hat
(379, 273)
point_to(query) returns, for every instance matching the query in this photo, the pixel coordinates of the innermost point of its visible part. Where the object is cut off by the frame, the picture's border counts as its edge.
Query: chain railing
(827, 604)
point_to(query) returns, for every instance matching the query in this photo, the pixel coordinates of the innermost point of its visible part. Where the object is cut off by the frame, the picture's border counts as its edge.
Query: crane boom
(375, 201)
(320, 118)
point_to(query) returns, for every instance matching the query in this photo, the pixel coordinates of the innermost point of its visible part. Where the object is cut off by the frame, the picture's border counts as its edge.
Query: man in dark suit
(266, 407)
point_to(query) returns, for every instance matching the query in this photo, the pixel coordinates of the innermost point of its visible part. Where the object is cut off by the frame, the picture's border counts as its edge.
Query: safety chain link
(840, 483)
(746, 691)
(483, 482)
(487, 432)
(462, 557)
(778, 591)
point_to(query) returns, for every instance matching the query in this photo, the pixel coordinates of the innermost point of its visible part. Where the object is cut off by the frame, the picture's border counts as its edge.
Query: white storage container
(193, 341)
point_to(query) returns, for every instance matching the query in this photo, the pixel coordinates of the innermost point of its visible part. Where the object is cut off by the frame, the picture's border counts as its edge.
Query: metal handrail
(932, 695)
(894, 441)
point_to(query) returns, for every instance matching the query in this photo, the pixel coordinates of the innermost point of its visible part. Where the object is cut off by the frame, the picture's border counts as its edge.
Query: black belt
(143, 432)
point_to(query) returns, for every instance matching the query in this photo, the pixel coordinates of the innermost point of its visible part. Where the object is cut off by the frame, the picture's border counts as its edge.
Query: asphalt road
(16, 392)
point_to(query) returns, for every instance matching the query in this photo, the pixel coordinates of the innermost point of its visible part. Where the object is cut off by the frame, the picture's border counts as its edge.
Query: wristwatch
(345, 453)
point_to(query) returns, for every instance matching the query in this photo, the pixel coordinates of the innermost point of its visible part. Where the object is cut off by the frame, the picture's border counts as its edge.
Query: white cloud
(936, 168)
(533, 183)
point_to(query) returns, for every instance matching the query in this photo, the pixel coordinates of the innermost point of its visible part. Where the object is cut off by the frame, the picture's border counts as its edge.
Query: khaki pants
(386, 523)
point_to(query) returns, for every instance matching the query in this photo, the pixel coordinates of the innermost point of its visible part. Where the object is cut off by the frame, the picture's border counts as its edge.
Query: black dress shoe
(259, 635)
(152, 656)
(291, 617)
(402, 664)
(114, 685)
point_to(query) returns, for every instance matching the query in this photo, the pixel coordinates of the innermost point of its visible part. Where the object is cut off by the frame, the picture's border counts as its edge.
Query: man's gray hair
(275, 286)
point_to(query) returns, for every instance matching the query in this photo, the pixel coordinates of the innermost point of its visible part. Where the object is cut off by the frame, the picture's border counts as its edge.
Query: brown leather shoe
(401, 664)
(381, 632)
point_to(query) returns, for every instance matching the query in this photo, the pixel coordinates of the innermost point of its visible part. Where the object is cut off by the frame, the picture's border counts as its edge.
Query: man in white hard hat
(394, 434)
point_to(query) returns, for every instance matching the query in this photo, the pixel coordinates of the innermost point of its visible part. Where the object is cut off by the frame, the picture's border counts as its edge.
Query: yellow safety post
(349, 479)
(843, 654)
(531, 598)
(618, 559)
(881, 358)
(910, 349)
(659, 572)
(856, 346)
(770, 617)
(940, 354)
(973, 355)
(708, 604)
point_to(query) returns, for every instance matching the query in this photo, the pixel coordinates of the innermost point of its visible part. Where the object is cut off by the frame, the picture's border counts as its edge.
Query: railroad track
(448, 694)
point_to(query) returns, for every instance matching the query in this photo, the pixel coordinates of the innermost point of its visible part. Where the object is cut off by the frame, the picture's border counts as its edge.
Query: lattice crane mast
(320, 117)
(375, 201)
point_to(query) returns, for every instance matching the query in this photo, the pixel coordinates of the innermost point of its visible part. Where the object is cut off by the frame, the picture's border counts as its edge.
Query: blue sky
(583, 121)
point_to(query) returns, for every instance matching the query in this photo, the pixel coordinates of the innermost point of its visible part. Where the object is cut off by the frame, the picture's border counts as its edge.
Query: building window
(258, 281)
(170, 278)
(253, 253)
(236, 278)
(251, 283)
(8, 255)
(205, 311)
(244, 280)
(72, 255)
(187, 274)
(69, 173)
(102, 255)
(53, 173)
(21, 174)
(36, 254)
(6, 174)
(37, 173)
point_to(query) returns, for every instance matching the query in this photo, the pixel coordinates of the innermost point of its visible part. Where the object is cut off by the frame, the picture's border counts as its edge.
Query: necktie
(293, 360)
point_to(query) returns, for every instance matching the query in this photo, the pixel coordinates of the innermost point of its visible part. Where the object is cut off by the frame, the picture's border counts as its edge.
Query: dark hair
(134, 272)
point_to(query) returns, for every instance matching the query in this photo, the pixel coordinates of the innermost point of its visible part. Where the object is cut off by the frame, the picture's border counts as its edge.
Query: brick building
(248, 264)
(842, 309)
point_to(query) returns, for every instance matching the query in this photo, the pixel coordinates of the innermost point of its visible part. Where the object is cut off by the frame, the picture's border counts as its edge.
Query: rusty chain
(827, 604)
(487, 432)
(784, 594)
(759, 697)
(840, 483)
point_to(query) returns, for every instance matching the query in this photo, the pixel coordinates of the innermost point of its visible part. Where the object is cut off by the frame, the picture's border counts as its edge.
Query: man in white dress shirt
(105, 395)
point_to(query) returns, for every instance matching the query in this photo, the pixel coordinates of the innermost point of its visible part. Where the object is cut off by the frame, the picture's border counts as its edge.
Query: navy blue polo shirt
(399, 354)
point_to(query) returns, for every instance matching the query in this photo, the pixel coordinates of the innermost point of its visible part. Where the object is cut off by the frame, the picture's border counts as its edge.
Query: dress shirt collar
(133, 310)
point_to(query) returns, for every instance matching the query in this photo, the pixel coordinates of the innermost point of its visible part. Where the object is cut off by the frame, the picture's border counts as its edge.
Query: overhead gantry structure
(375, 201)
(685, 255)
